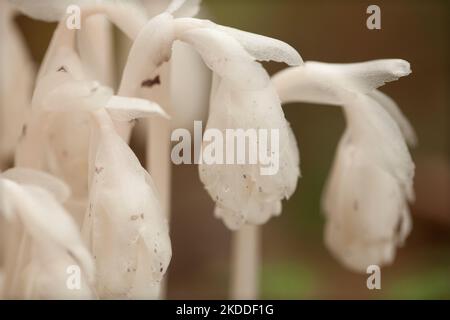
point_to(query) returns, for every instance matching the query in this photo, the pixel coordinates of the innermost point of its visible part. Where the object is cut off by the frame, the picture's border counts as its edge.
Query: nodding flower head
(122, 204)
(367, 194)
(242, 97)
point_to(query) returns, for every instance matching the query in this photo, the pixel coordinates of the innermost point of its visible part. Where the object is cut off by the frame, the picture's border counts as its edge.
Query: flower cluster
(78, 195)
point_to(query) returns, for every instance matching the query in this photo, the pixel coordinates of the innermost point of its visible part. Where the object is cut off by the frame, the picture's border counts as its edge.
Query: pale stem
(95, 41)
(245, 259)
(159, 163)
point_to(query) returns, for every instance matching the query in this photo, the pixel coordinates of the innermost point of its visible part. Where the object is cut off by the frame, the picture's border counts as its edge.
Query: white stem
(95, 41)
(245, 259)
(159, 164)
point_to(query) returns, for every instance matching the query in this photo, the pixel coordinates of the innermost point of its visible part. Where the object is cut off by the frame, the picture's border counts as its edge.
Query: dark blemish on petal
(161, 269)
(98, 169)
(142, 216)
(70, 253)
(62, 69)
(244, 176)
(24, 130)
(151, 82)
(355, 205)
(134, 217)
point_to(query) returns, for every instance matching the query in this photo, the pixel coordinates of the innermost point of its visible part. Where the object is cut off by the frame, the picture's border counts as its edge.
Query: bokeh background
(295, 262)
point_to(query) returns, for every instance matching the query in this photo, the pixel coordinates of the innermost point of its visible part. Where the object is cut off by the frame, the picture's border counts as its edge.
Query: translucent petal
(226, 57)
(124, 224)
(127, 109)
(45, 250)
(25, 176)
(242, 193)
(263, 48)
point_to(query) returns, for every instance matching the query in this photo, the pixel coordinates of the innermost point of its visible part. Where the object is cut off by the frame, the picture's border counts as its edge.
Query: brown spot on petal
(62, 69)
(98, 169)
(134, 217)
(151, 82)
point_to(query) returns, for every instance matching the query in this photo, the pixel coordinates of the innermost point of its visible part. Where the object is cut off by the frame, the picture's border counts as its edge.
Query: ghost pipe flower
(124, 227)
(62, 147)
(17, 74)
(141, 247)
(367, 194)
(242, 97)
(134, 252)
(238, 77)
(42, 239)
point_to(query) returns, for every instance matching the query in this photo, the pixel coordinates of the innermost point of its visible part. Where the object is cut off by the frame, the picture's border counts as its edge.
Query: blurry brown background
(296, 264)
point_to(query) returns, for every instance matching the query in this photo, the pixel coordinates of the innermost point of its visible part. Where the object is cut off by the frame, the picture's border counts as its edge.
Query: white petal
(319, 82)
(395, 112)
(373, 130)
(364, 76)
(127, 109)
(226, 57)
(264, 48)
(366, 217)
(124, 224)
(25, 176)
(83, 96)
(51, 244)
(242, 194)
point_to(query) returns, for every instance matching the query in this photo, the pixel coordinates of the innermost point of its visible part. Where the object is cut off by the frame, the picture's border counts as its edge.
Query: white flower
(42, 240)
(367, 194)
(242, 97)
(17, 75)
(124, 226)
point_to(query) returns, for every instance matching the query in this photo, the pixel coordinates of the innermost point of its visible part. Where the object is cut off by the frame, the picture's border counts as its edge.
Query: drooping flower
(371, 182)
(17, 76)
(71, 133)
(242, 97)
(42, 240)
(124, 227)
(58, 142)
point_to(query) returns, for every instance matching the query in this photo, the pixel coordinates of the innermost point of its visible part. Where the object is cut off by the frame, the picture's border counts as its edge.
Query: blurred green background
(296, 265)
